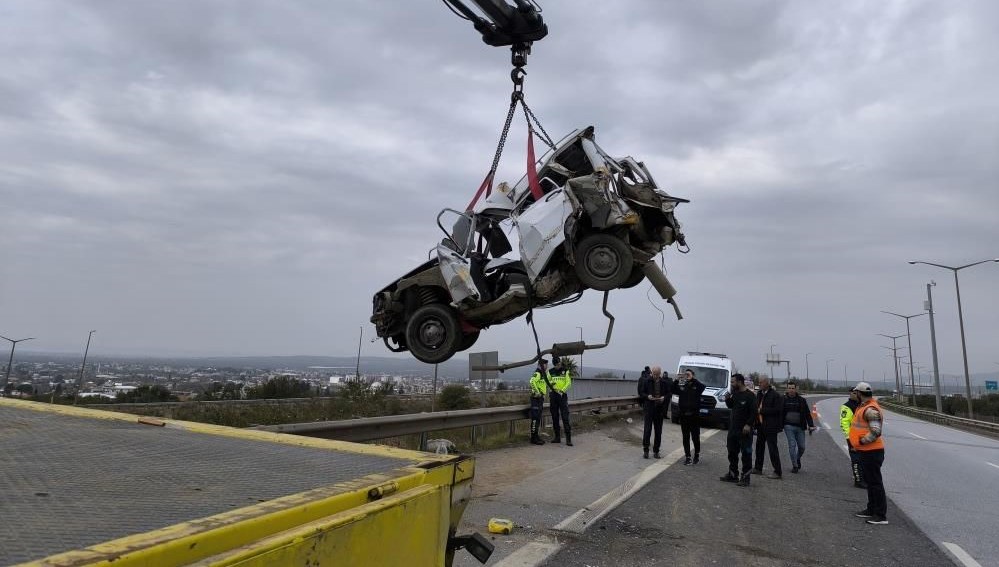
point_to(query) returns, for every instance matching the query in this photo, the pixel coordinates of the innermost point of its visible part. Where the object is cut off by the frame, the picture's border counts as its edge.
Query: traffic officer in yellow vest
(539, 387)
(845, 419)
(558, 401)
(866, 439)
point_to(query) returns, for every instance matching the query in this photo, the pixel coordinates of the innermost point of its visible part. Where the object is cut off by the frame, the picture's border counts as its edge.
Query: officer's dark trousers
(767, 437)
(690, 425)
(537, 407)
(858, 474)
(654, 414)
(739, 444)
(559, 406)
(870, 464)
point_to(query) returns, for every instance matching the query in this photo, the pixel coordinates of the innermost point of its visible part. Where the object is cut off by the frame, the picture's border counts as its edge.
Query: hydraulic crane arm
(516, 25)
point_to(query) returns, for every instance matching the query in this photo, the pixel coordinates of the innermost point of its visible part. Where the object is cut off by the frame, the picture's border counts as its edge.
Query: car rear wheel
(433, 333)
(634, 278)
(468, 340)
(603, 262)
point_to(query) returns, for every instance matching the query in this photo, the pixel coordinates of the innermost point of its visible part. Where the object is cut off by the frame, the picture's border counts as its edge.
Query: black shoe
(799, 465)
(858, 484)
(697, 458)
(757, 471)
(568, 439)
(656, 455)
(794, 469)
(645, 455)
(728, 478)
(865, 513)
(557, 439)
(537, 441)
(774, 476)
(686, 461)
(744, 481)
(878, 521)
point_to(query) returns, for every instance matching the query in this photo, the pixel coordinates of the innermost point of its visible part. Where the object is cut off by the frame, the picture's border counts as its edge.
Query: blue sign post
(991, 385)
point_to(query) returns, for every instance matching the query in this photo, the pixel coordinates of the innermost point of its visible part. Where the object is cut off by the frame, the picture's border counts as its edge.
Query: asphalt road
(945, 480)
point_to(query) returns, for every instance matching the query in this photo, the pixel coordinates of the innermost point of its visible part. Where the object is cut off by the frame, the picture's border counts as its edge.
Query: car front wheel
(433, 333)
(603, 262)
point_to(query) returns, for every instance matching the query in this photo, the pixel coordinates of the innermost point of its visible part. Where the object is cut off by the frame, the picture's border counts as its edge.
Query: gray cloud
(240, 177)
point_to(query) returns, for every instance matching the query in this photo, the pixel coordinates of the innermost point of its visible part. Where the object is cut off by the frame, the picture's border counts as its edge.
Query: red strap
(487, 185)
(532, 174)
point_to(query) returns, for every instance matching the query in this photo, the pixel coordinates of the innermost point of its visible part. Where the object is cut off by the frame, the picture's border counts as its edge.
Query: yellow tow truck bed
(87, 487)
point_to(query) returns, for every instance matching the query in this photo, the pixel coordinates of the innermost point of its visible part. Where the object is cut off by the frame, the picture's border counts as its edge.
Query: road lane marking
(534, 553)
(917, 436)
(962, 555)
(992, 464)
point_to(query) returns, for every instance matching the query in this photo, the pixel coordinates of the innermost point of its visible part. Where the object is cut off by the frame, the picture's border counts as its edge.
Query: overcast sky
(239, 177)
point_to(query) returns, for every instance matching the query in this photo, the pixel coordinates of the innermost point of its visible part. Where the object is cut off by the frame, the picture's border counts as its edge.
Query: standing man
(653, 393)
(796, 418)
(846, 412)
(688, 392)
(646, 374)
(539, 387)
(768, 424)
(866, 438)
(558, 400)
(740, 430)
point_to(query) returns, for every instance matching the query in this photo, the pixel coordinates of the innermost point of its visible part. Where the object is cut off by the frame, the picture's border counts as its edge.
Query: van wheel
(636, 277)
(603, 262)
(468, 340)
(433, 333)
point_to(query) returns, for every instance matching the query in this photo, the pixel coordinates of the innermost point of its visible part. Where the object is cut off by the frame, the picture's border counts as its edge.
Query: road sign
(991, 385)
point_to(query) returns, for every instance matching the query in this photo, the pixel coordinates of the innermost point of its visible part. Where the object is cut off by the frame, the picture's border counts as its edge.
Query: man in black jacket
(740, 430)
(769, 422)
(688, 391)
(654, 392)
(797, 418)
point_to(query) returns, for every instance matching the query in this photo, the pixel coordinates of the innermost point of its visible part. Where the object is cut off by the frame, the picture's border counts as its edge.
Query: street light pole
(894, 349)
(10, 361)
(828, 360)
(770, 361)
(359, 338)
(580, 352)
(933, 343)
(912, 378)
(79, 381)
(806, 365)
(960, 318)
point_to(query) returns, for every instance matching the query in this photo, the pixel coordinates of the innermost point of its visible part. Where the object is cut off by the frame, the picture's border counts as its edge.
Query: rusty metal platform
(68, 482)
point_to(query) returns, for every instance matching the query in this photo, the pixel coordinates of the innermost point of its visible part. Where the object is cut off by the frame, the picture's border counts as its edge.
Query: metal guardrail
(372, 428)
(941, 418)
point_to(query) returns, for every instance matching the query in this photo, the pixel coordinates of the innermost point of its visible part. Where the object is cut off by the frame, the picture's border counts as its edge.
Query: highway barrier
(373, 428)
(941, 418)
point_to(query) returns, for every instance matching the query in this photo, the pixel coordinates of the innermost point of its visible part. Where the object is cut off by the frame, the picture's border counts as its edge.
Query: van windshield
(710, 377)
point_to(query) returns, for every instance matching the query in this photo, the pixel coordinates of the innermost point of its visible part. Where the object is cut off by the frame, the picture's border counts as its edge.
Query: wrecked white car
(590, 222)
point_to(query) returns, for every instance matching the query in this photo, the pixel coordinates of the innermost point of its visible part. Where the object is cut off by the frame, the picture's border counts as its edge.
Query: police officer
(558, 400)
(845, 418)
(539, 387)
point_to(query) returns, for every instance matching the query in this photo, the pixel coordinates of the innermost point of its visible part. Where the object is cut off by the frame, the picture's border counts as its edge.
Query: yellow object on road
(500, 526)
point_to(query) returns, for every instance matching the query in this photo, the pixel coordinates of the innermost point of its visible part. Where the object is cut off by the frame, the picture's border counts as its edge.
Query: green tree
(454, 397)
(569, 364)
(145, 395)
(280, 387)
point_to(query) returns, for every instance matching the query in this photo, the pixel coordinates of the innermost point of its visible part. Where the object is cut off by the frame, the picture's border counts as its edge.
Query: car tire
(433, 333)
(467, 340)
(603, 262)
(636, 277)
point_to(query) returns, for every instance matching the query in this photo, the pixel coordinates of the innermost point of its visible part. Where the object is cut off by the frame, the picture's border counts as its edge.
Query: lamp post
(960, 318)
(933, 344)
(894, 349)
(580, 352)
(10, 361)
(770, 361)
(912, 379)
(79, 381)
(828, 360)
(806, 365)
(359, 338)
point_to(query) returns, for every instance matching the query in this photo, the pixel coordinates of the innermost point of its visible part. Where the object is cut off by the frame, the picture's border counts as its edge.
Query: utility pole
(960, 318)
(359, 338)
(912, 378)
(933, 343)
(10, 361)
(79, 381)
(828, 360)
(894, 352)
(806, 365)
(580, 353)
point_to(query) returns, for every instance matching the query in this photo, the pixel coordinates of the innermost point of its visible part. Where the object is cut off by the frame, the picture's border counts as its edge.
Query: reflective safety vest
(538, 386)
(561, 382)
(845, 418)
(859, 428)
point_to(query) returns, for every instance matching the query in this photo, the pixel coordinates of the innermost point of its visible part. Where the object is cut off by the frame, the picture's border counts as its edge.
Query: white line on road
(917, 436)
(534, 553)
(962, 555)
(826, 425)
(992, 464)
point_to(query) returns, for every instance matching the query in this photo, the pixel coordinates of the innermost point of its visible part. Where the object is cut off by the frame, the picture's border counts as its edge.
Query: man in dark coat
(769, 423)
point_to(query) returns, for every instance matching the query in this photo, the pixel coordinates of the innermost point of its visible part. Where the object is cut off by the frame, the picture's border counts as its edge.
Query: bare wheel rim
(602, 261)
(432, 333)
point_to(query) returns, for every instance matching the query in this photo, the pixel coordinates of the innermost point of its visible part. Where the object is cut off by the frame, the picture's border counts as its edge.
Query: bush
(454, 397)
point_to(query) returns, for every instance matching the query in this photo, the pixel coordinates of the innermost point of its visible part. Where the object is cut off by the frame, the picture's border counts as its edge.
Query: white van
(714, 371)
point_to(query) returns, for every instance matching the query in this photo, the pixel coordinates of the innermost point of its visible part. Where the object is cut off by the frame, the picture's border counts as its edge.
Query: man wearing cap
(539, 387)
(845, 418)
(866, 438)
(558, 400)
(740, 430)
(653, 393)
